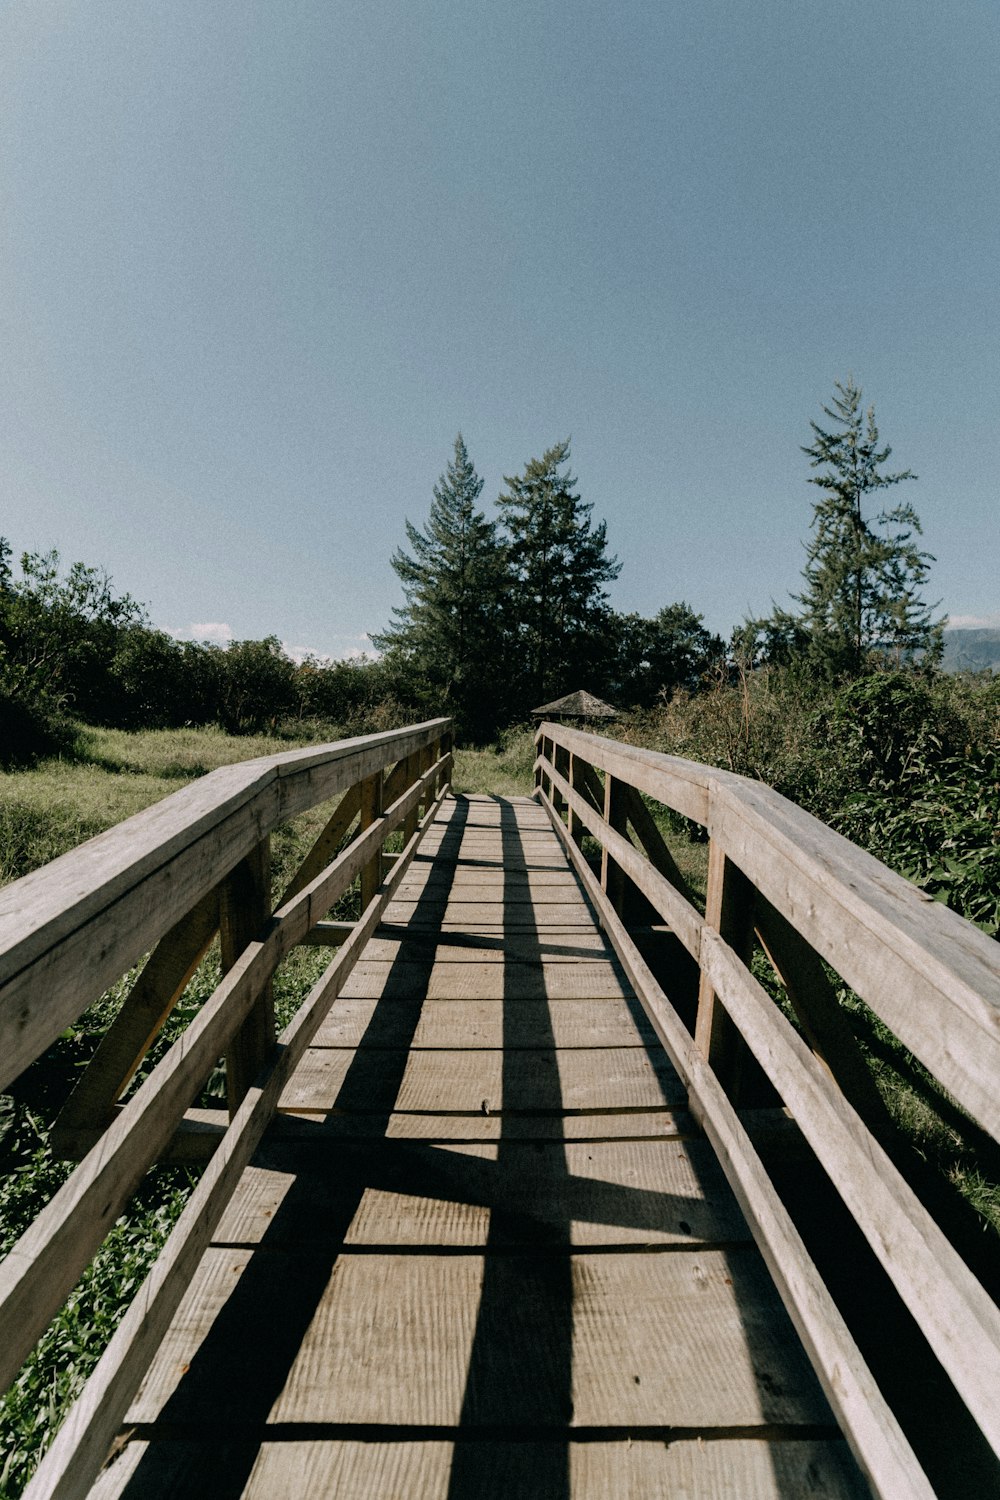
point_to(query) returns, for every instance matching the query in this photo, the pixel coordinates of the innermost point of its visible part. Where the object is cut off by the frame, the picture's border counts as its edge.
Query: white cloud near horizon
(974, 622)
(219, 633)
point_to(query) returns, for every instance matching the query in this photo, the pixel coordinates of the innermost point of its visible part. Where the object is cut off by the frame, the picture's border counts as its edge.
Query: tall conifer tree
(558, 565)
(863, 572)
(453, 584)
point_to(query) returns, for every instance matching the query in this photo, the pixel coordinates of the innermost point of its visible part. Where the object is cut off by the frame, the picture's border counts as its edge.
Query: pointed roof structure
(578, 705)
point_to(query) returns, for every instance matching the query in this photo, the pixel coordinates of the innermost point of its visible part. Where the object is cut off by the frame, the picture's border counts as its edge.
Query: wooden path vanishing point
(483, 1250)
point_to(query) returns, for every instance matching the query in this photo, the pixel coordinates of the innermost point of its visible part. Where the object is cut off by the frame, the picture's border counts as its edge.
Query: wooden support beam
(412, 764)
(371, 809)
(163, 980)
(244, 909)
(729, 909)
(616, 816)
(560, 760)
(576, 781)
(651, 839)
(327, 845)
(819, 1013)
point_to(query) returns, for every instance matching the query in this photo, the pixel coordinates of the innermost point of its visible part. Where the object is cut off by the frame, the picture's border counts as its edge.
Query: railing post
(244, 908)
(539, 751)
(577, 782)
(413, 816)
(371, 808)
(560, 761)
(729, 908)
(615, 813)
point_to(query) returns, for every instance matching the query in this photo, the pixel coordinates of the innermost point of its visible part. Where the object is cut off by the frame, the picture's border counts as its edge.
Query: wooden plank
(83, 1441)
(485, 946)
(477, 1082)
(959, 1320)
(629, 1468)
(468, 914)
(587, 1125)
(302, 1195)
(390, 1339)
(875, 1437)
(488, 981)
(483, 1023)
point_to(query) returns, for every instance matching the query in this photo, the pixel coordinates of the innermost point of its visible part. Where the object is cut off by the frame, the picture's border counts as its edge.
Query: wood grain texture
(627, 1469)
(462, 1024)
(459, 1082)
(390, 1339)
(489, 981)
(643, 1193)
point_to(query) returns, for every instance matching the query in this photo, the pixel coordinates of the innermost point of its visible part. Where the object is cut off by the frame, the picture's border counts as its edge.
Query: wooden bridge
(541, 1193)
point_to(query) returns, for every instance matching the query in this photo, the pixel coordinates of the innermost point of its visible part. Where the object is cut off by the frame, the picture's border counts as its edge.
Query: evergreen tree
(863, 573)
(449, 630)
(558, 565)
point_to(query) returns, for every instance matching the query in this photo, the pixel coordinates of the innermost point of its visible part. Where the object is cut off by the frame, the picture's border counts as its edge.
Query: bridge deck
(483, 1251)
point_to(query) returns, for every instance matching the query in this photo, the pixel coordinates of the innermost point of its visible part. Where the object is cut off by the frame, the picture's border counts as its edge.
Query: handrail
(70, 929)
(779, 877)
(192, 866)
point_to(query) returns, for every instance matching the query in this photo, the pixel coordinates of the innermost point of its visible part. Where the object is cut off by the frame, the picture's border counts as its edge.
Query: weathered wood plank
(629, 1468)
(391, 1339)
(484, 946)
(488, 981)
(468, 914)
(587, 1125)
(464, 1082)
(483, 1023)
(647, 1192)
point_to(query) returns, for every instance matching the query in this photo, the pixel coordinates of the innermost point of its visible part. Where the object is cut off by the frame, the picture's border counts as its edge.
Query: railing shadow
(520, 1374)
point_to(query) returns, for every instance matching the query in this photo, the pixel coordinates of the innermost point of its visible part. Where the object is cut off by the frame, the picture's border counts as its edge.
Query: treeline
(72, 649)
(500, 614)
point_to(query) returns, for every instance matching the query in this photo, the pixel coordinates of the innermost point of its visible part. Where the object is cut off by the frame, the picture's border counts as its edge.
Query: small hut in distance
(579, 708)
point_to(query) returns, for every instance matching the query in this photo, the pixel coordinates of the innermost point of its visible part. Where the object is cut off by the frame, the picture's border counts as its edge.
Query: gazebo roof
(578, 705)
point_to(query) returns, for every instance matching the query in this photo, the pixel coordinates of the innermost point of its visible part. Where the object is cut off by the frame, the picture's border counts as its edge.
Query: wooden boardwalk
(483, 1250)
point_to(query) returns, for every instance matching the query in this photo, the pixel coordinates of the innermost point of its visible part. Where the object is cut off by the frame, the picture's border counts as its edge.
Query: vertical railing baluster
(244, 908)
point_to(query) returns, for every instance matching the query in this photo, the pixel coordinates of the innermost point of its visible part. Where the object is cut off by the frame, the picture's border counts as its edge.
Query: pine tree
(863, 572)
(558, 565)
(449, 628)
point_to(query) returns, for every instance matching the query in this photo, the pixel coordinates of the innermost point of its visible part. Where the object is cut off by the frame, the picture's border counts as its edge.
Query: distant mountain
(972, 650)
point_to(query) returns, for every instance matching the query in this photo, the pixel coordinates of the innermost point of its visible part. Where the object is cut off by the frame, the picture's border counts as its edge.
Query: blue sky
(259, 263)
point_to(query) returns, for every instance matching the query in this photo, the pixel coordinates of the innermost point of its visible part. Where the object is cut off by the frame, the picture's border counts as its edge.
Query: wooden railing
(779, 878)
(166, 882)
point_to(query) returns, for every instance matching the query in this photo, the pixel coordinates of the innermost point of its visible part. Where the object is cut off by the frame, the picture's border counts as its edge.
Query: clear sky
(259, 263)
